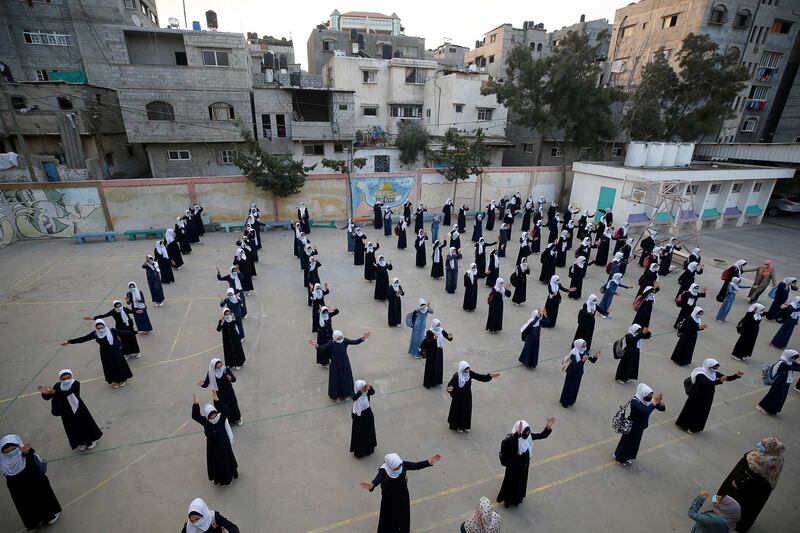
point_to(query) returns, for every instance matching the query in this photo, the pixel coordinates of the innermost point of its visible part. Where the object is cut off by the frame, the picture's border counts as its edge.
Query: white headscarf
(580, 260)
(11, 466)
(649, 294)
(693, 289)
(338, 336)
(499, 286)
(381, 261)
(534, 319)
(363, 401)
(230, 295)
(240, 254)
(555, 283)
(591, 303)
(302, 209)
(201, 526)
(786, 357)
(235, 277)
(740, 263)
(208, 409)
(735, 282)
(162, 250)
(106, 332)
(634, 330)
(642, 391)
(618, 256)
(691, 267)
(422, 306)
(494, 257)
(452, 256)
(615, 279)
(170, 236)
(136, 294)
(392, 464)
(316, 293)
(370, 246)
(215, 373)
(153, 264)
(472, 272)
(578, 349)
(323, 310)
(756, 310)
(789, 280)
(696, 314)
(438, 332)
(586, 241)
(523, 445)
(706, 370)
(396, 284)
(67, 383)
(463, 377)
(654, 267)
(481, 245)
(179, 222)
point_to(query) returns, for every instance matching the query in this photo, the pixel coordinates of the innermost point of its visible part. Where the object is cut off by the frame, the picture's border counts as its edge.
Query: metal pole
(23, 147)
(185, 23)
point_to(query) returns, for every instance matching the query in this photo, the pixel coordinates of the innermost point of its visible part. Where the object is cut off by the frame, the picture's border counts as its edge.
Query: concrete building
(269, 53)
(71, 132)
(447, 55)
(362, 34)
(491, 52)
(762, 33)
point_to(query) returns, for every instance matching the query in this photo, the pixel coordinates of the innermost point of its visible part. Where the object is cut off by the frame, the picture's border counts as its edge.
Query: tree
(459, 156)
(559, 96)
(412, 140)
(344, 167)
(279, 174)
(691, 102)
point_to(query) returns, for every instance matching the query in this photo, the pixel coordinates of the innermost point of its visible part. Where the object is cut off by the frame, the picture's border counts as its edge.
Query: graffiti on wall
(391, 191)
(6, 230)
(41, 213)
(372, 136)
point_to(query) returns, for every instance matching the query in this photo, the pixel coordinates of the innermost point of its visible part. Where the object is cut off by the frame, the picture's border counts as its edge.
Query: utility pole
(23, 147)
(185, 23)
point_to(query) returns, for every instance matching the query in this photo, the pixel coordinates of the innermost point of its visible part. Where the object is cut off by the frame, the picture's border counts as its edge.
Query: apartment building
(447, 55)
(761, 33)
(361, 34)
(491, 53)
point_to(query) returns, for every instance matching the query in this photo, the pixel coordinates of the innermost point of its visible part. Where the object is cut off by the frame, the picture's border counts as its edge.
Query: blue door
(51, 171)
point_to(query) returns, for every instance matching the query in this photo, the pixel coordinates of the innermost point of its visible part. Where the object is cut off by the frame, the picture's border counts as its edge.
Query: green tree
(279, 174)
(412, 141)
(689, 102)
(559, 96)
(344, 167)
(460, 156)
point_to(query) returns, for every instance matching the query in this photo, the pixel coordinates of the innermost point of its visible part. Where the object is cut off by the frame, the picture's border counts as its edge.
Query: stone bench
(109, 236)
(150, 232)
(315, 224)
(228, 226)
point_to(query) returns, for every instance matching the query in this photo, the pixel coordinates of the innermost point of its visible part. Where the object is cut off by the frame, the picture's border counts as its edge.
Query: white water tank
(636, 153)
(655, 152)
(685, 152)
(670, 155)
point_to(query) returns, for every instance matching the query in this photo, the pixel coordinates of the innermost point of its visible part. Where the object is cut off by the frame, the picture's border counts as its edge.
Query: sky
(436, 21)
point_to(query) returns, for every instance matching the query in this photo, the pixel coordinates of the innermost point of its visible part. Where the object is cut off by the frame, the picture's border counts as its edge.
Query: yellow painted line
(145, 365)
(550, 459)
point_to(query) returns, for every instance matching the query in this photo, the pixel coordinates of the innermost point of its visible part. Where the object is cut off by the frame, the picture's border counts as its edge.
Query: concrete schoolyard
(296, 474)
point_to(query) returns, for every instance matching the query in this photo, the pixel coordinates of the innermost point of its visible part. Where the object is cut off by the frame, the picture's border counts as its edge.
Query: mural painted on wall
(391, 191)
(6, 230)
(372, 136)
(55, 212)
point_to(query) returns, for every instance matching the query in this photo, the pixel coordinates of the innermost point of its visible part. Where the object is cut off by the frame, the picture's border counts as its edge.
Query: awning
(69, 76)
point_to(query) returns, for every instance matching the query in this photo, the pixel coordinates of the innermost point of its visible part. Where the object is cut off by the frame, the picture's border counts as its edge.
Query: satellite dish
(136, 21)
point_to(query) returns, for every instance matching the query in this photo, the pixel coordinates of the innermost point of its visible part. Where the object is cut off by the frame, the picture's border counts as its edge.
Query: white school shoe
(737, 358)
(92, 445)
(53, 521)
(239, 422)
(82, 448)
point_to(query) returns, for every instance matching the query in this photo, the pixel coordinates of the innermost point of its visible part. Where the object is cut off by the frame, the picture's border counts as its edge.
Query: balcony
(755, 105)
(320, 131)
(766, 73)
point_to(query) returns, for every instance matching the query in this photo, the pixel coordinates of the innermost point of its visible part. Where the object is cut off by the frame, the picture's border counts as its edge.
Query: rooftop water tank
(655, 153)
(670, 154)
(636, 154)
(196, 25)
(685, 152)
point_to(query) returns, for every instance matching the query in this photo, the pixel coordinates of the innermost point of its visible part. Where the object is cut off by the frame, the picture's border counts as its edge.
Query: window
(750, 124)
(407, 111)
(220, 111)
(459, 108)
(428, 113)
(586, 151)
(413, 75)
(718, 14)
(381, 163)
(280, 122)
(616, 151)
(266, 126)
(556, 152)
(64, 103)
(491, 59)
(691, 189)
(758, 92)
(226, 157)
(159, 111)
(327, 45)
(781, 26)
(452, 50)
(215, 58)
(493, 38)
(485, 114)
(369, 111)
(342, 107)
(527, 148)
(670, 21)
(338, 148)
(408, 51)
(714, 188)
(313, 149)
(179, 155)
(18, 102)
(757, 186)
(369, 76)
(625, 31)
(770, 59)
(742, 19)
(737, 187)
(41, 75)
(180, 59)
(130, 4)
(539, 47)
(50, 38)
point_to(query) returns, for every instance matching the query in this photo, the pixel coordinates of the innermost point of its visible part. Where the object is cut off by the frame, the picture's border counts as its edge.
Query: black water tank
(283, 63)
(269, 60)
(353, 35)
(387, 51)
(398, 53)
(294, 79)
(211, 20)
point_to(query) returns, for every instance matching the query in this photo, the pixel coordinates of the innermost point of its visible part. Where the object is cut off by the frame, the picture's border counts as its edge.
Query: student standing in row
(201, 519)
(220, 460)
(471, 288)
(115, 368)
(585, 329)
(231, 340)
(340, 373)
(642, 405)
(782, 377)
(790, 314)
(494, 321)
(67, 404)
(135, 298)
(395, 309)
(628, 367)
(574, 371)
(704, 381)
(153, 273)
(433, 349)
(29, 486)
(747, 328)
(220, 378)
(516, 451)
(460, 390)
(419, 320)
(123, 320)
(530, 333)
(362, 435)
(687, 337)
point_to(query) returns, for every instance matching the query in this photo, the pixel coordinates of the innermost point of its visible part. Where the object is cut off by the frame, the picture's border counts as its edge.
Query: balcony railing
(755, 105)
(766, 73)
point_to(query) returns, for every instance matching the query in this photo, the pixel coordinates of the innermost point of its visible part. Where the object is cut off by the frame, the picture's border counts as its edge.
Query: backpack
(637, 302)
(766, 372)
(740, 327)
(679, 299)
(489, 298)
(727, 273)
(411, 318)
(397, 230)
(687, 385)
(618, 233)
(502, 455)
(647, 260)
(565, 362)
(514, 278)
(608, 268)
(680, 327)
(773, 291)
(619, 348)
(621, 424)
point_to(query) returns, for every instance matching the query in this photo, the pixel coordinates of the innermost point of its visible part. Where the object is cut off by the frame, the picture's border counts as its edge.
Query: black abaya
(130, 346)
(520, 283)
(80, 427)
(369, 263)
(494, 321)
(382, 287)
(460, 415)
(695, 411)
(324, 336)
(395, 317)
(32, 495)
(359, 245)
(572, 381)
(220, 461)
(340, 374)
(747, 338)
(227, 394)
(231, 343)
(515, 480)
(750, 490)
(684, 349)
(470, 293)
(585, 328)
(395, 514)
(362, 434)
(552, 304)
(115, 367)
(419, 244)
(628, 447)
(628, 366)
(548, 260)
(434, 360)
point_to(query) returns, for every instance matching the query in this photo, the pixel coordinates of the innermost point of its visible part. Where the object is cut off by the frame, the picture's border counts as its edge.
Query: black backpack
(503, 454)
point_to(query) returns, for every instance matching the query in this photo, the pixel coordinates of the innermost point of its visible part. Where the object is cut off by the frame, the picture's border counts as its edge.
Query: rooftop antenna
(185, 24)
